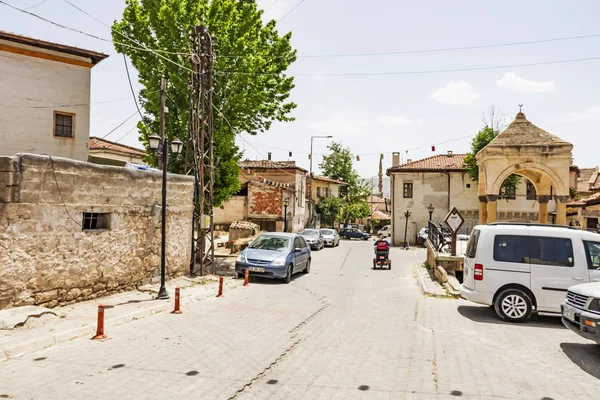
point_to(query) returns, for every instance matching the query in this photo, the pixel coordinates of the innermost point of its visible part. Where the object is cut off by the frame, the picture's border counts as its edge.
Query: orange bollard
(100, 329)
(177, 309)
(246, 276)
(220, 287)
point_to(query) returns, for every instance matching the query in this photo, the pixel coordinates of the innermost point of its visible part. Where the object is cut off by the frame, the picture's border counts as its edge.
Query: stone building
(102, 151)
(72, 231)
(45, 105)
(266, 184)
(442, 180)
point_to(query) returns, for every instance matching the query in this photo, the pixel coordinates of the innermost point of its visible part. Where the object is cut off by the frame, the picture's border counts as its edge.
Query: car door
(299, 251)
(354, 233)
(555, 268)
(592, 252)
(305, 252)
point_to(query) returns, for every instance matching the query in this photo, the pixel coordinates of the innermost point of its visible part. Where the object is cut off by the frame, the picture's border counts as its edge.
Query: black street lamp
(161, 147)
(430, 208)
(407, 215)
(285, 206)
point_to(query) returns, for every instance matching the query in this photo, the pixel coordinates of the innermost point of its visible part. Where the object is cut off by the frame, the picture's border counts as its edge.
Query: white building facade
(45, 101)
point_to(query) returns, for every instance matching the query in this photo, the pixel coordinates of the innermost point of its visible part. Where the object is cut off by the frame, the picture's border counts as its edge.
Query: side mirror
(297, 249)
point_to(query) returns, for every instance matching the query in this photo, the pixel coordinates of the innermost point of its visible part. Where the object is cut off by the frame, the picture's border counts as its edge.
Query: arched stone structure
(526, 150)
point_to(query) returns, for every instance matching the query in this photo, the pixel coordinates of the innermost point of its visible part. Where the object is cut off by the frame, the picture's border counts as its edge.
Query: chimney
(395, 159)
(269, 156)
(449, 153)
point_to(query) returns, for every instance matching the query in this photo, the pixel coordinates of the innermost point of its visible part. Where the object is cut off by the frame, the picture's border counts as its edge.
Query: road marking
(345, 258)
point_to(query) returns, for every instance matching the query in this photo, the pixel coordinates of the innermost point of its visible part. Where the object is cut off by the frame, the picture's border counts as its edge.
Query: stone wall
(48, 259)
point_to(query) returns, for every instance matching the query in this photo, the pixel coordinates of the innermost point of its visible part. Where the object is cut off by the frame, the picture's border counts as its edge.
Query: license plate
(256, 269)
(569, 314)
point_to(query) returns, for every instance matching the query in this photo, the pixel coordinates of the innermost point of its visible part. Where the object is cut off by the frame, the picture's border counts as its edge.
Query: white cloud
(339, 126)
(420, 120)
(455, 93)
(514, 83)
(592, 113)
(399, 120)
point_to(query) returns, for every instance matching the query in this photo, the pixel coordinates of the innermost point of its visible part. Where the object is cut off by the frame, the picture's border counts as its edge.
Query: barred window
(63, 124)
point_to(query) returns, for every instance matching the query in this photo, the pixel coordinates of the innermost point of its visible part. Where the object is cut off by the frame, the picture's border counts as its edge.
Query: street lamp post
(161, 147)
(311, 175)
(285, 206)
(430, 208)
(407, 215)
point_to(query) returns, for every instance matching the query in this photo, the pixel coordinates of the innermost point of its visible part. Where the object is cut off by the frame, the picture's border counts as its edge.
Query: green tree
(329, 209)
(250, 86)
(338, 164)
(492, 128)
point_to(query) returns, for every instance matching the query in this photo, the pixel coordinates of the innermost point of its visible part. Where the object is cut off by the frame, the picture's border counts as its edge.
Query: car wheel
(513, 305)
(307, 269)
(288, 276)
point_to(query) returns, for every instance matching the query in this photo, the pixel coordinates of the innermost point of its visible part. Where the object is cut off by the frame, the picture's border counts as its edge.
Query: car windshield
(310, 232)
(274, 243)
(328, 232)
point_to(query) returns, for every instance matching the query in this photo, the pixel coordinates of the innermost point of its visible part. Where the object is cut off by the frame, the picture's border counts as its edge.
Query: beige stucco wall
(432, 187)
(232, 210)
(29, 82)
(333, 190)
(46, 258)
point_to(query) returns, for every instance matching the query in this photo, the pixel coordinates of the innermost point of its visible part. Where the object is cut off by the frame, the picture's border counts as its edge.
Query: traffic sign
(454, 220)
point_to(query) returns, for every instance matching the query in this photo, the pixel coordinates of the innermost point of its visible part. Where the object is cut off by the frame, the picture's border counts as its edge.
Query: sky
(406, 102)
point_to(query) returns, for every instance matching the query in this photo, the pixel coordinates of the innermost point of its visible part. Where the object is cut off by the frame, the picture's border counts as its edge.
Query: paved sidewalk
(62, 324)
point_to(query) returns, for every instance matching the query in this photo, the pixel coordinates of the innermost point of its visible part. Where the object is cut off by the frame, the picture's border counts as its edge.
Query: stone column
(561, 210)
(543, 201)
(491, 208)
(482, 210)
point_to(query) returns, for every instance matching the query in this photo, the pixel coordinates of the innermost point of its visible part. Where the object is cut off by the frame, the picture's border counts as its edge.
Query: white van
(525, 268)
(386, 231)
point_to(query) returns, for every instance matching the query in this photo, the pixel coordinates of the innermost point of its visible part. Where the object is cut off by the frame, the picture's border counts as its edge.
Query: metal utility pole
(381, 176)
(199, 152)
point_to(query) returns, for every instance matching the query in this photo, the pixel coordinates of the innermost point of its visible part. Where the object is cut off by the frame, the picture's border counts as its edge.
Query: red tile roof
(103, 144)
(325, 179)
(442, 162)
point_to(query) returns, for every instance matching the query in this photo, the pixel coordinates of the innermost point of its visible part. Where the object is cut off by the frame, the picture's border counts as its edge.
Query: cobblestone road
(343, 331)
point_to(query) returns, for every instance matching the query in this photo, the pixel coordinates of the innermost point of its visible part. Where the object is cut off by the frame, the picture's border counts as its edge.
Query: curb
(16, 349)
(424, 289)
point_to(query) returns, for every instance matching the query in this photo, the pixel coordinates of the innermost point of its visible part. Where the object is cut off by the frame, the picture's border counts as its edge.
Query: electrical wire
(292, 10)
(66, 105)
(96, 37)
(35, 5)
(424, 51)
(132, 91)
(60, 193)
(120, 125)
(425, 72)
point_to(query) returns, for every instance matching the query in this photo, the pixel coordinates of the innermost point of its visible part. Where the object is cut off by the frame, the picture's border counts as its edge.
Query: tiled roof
(583, 181)
(521, 132)
(267, 164)
(103, 144)
(442, 162)
(325, 179)
(588, 201)
(95, 56)
(381, 215)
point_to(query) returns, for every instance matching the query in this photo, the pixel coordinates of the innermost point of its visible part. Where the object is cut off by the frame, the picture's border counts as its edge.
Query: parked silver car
(313, 238)
(331, 237)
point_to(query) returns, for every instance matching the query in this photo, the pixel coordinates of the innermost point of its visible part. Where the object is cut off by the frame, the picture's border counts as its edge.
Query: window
(508, 193)
(325, 192)
(468, 186)
(318, 192)
(531, 194)
(472, 244)
(64, 124)
(95, 221)
(592, 250)
(297, 243)
(552, 251)
(513, 249)
(302, 242)
(408, 190)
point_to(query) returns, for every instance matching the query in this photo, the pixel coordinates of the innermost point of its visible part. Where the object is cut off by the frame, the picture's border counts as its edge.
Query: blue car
(276, 256)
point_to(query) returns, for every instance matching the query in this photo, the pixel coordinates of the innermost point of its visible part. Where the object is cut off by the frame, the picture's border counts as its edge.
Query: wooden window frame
(68, 114)
(407, 190)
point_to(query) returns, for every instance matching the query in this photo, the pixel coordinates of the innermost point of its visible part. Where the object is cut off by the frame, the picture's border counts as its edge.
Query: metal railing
(439, 237)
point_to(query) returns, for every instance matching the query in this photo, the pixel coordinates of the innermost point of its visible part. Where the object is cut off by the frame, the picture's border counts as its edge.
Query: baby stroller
(382, 255)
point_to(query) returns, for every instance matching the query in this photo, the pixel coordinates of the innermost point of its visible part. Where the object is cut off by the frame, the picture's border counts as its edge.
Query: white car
(386, 231)
(581, 308)
(422, 236)
(525, 268)
(331, 237)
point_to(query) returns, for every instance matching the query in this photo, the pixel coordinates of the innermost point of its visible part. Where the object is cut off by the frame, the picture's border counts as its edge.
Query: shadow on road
(488, 315)
(585, 356)
(259, 280)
